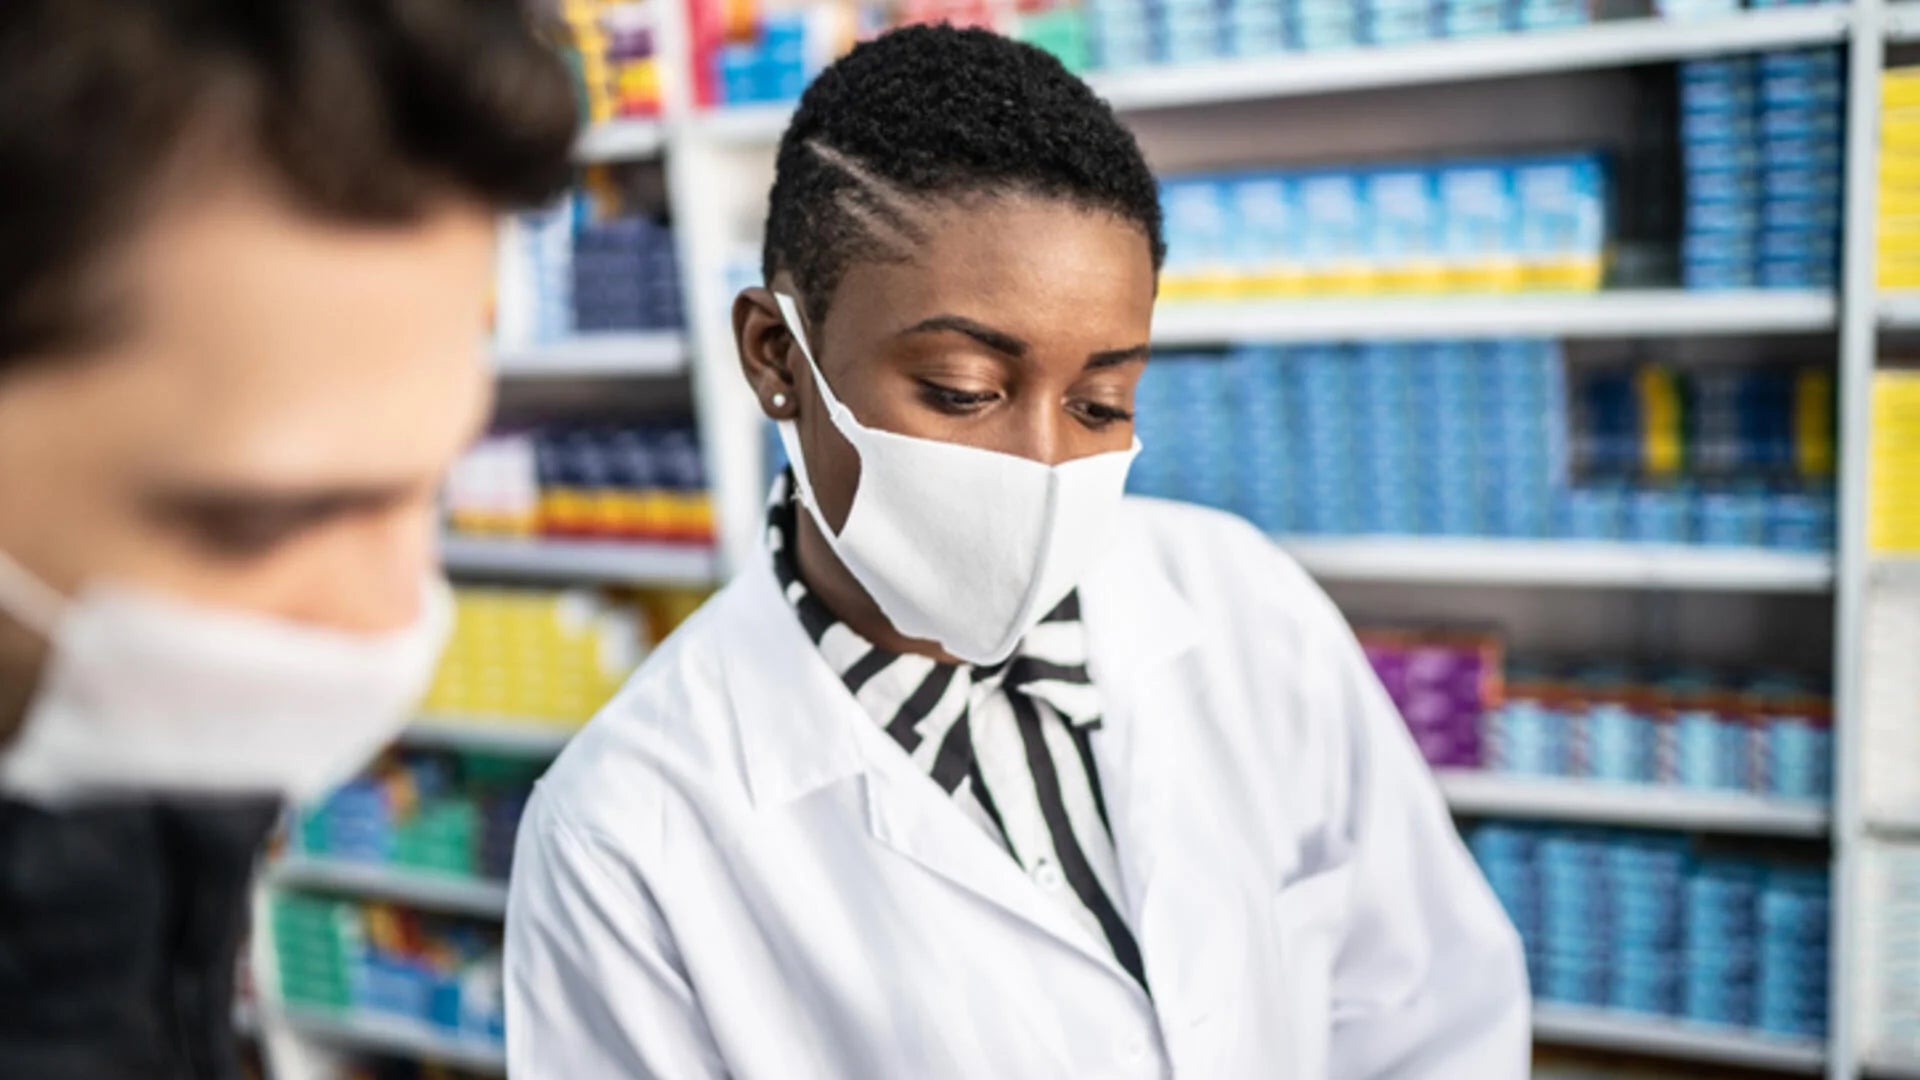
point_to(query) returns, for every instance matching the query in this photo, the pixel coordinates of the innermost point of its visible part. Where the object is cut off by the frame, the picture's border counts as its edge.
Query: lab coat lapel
(1143, 635)
(909, 813)
(801, 731)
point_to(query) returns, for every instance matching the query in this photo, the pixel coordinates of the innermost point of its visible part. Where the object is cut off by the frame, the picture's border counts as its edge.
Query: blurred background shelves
(580, 560)
(1619, 43)
(1565, 563)
(642, 354)
(1616, 43)
(423, 889)
(1602, 1029)
(1485, 794)
(1900, 310)
(1611, 314)
(397, 1036)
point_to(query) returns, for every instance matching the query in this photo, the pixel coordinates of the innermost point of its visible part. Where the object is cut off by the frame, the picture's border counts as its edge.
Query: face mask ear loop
(790, 314)
(34, 603)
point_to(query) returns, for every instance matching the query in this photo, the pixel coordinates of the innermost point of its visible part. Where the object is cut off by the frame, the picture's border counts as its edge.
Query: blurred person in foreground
(245, 259)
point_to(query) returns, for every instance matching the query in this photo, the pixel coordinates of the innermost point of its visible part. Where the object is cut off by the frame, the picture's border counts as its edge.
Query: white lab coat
(735, 871)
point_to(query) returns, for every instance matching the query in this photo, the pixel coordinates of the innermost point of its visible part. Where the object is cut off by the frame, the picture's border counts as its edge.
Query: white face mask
(965, 547)
(145, 694)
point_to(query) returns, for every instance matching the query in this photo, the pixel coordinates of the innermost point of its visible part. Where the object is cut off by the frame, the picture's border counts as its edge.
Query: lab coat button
(1047, 875)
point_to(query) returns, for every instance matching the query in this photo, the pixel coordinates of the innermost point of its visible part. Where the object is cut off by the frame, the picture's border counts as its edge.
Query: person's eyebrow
(290, 505)
(998, 340)
(1116, 357)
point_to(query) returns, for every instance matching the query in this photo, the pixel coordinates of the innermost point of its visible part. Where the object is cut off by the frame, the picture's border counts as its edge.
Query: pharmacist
(244, 267)
(981, 770)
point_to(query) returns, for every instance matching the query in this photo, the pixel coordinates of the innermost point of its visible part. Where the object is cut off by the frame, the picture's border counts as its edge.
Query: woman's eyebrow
(1117, 357)
(998, 340)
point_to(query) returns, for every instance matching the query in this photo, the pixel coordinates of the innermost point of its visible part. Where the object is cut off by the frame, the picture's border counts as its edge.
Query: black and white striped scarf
(1011, 742)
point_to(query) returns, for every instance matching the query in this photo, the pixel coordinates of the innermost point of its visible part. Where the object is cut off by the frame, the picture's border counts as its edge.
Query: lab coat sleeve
(593, 984)
(1430, 978)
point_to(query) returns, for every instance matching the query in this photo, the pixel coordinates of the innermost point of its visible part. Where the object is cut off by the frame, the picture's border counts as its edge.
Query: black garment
(119, 925)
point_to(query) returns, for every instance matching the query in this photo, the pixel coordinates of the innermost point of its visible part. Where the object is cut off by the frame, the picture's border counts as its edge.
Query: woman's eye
(949, 399)
(1097, 414)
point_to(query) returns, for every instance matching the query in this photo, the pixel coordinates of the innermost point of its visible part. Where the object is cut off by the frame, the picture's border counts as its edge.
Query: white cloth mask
(145, 694)
(966, 547)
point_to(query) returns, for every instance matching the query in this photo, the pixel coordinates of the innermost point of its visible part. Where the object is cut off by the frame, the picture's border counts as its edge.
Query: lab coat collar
(799, 728)
(1135, 619)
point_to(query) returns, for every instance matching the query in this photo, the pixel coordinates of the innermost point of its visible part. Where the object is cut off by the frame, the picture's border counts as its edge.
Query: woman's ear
(765, 347)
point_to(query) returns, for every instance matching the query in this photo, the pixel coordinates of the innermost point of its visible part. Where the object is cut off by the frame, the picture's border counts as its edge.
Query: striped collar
(915, 698)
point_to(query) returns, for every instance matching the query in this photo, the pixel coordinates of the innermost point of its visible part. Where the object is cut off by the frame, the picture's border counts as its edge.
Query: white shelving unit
(612, 562)
(428, 891)
(633, 355)
(1560, 564)
(394, 1036)
(1484, 794)
(621, 140)
(500, 736)
(1900, 311)
(1602, 1029)
(1893, 1068)
(1636, 313)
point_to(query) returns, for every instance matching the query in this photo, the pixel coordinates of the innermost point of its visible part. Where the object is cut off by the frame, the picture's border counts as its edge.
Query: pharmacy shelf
(653, 355)
(1902, 21)
(606, 562)
(533, 738)
(1620, 43)
(418, 888)
(1900, 310)
(1616, 43)
(620, 140)
(1611, 314)
(1901, 824)
(1890, 1067)
(1603, 1029)
(397, 1036)
(1486, 794)
(1895, 571)
(744, 125)
(1564, 563)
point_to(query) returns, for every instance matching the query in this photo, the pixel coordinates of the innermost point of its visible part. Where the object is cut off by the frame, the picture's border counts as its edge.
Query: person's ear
(765, 347)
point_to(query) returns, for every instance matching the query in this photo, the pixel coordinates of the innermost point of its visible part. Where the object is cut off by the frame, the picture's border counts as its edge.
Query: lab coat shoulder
(658, 747)
(1265, 631)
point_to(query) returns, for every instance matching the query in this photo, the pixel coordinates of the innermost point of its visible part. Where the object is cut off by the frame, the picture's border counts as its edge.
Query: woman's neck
(843, 595)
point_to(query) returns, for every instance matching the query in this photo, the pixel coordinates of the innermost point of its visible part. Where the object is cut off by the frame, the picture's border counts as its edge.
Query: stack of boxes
(440, 812)
(536, 655)
(1639, 922)
(612, 46)
(1515, 225)
(1767, 734)
(626, 276)
(1894, 464)
(1897, 228)
(1762, 141)
(1443, 683)
(341, 955)
(577, 271)
(624, 483)
(1739, 457)
(771, 62)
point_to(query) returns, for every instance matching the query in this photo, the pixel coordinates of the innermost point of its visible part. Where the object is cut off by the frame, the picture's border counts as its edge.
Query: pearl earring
(779, 400)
